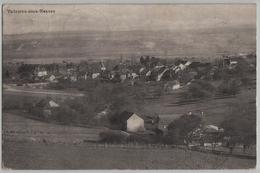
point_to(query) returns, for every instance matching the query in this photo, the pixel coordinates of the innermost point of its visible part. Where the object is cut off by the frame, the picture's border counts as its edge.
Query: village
(125, 125)
(148, 68)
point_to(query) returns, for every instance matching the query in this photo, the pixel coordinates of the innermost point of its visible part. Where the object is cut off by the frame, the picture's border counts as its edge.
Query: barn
(135, 124)
(129, 121)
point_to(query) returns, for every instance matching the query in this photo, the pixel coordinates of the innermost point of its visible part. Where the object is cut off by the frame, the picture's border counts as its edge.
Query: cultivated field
(19, 155)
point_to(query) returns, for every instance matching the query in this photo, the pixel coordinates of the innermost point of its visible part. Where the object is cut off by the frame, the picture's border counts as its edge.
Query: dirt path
(14, 89)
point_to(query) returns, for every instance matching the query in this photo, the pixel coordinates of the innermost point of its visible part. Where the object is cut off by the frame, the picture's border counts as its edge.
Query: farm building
(129, 121)
(135, 123)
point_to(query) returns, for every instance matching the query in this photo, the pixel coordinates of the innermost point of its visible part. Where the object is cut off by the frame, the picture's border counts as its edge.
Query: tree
(142, 60)
(229, 87)
(240, 125)
(179, 128)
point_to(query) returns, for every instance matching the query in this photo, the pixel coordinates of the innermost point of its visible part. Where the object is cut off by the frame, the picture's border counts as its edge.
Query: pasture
(21, 155)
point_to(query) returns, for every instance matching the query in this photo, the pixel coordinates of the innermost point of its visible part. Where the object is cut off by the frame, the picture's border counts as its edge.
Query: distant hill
(113, 44)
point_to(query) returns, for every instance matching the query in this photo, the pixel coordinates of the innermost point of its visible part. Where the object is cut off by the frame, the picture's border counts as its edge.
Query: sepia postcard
(128, 86)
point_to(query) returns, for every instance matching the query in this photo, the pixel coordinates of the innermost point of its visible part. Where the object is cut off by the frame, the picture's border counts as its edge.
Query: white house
(135, 124)
(42, 73)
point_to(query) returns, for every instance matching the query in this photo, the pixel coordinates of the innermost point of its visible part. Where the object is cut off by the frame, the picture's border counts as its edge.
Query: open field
(19, 128)
(19, 155)
(215, 110)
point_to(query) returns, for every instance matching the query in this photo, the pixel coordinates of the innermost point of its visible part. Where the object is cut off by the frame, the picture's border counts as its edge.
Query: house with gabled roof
(129, 121)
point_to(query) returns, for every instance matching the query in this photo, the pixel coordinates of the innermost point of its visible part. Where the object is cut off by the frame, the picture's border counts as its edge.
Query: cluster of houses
(147, 69)
(181, 71)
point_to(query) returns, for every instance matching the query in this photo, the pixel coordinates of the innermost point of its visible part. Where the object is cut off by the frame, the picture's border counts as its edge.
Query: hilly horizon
(86, 45)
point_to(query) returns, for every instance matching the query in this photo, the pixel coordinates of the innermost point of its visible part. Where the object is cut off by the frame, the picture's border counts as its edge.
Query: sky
(127, 17)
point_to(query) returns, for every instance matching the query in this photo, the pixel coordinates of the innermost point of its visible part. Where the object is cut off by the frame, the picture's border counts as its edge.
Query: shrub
(230, 87)
(179, 128)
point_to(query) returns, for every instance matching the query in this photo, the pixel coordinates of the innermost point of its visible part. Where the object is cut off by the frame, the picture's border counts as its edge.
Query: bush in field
(179, 128)
(230, 87)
